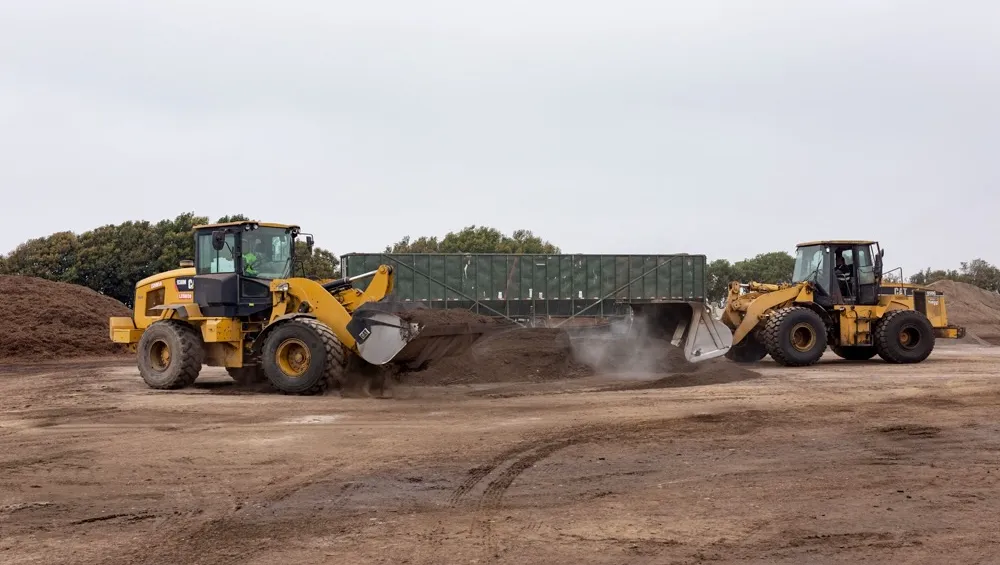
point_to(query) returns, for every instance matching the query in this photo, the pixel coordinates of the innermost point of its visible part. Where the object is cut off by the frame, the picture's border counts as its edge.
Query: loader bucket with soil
(688, 326)
(414, 337)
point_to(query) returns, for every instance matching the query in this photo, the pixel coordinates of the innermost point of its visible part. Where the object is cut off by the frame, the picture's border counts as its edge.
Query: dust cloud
(636, 351)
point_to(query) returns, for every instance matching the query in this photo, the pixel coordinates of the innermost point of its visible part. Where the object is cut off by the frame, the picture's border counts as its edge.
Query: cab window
(866, 269)
(211, 261)
(267, 253)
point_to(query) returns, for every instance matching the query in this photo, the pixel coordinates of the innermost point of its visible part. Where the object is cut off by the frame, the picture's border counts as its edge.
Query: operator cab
(236, 262)
(843, 271)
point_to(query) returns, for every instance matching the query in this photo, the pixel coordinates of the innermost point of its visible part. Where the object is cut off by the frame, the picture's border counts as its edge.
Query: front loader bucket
(383, 337)
(687, 325)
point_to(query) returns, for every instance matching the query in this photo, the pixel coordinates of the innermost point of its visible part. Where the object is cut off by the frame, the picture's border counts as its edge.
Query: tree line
(976, 272)
(112, 258)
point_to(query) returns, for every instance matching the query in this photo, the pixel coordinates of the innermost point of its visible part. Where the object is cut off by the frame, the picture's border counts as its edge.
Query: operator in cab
(252, 257)
(843, 272)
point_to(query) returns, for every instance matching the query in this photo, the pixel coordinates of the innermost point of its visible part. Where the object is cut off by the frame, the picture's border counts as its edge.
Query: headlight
(283, 287)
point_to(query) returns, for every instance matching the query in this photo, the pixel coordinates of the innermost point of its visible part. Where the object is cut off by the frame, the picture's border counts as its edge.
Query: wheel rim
(803, 337)
(159, 355)
(909, 337)
(293, 357)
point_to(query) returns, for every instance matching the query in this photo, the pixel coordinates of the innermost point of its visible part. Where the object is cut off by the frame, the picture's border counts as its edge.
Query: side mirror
(309, 243)
(219, 240)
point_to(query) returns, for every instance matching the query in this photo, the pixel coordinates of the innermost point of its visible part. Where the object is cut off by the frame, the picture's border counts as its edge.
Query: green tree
(232, 218)
(977, 272)
(928, 276)
(773, 267)
(423, 244)
(476, 239)
(53, 257)
(113, 258)
(720, 273)
(320, 264)
(982, 274)
(176, 240)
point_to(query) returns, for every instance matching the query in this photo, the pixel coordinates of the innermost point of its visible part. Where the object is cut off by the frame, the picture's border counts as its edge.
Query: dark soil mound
(41, 319)
(514, 355)
(548, 354)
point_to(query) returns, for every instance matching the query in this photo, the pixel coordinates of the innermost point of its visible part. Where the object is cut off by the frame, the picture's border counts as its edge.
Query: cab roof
(259, 224)
(838, 242)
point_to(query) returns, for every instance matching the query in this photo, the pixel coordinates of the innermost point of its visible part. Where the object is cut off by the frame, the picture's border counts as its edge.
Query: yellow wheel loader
(836, 298)
(238, 305)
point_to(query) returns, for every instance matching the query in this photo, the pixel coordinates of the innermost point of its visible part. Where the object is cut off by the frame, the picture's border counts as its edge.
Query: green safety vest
(248, 263)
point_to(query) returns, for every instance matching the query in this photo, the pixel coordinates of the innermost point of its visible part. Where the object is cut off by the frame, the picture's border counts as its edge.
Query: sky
(724, 128)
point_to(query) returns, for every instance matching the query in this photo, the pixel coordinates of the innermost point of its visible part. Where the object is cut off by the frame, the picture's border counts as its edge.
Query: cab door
(864, 268)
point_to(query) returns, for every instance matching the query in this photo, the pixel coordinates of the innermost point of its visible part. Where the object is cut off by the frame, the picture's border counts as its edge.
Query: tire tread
(191, 354)
(772, 336)
(885, 343)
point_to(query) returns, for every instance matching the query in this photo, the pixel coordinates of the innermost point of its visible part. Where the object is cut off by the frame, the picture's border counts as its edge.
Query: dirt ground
(837, 463)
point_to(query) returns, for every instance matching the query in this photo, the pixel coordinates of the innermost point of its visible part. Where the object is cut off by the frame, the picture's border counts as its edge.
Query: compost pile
(42, 320)
(977, 310)
(510, 353)
(507, 355)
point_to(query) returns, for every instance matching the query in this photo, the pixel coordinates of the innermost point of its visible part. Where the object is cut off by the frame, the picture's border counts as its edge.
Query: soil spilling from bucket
(511, 353)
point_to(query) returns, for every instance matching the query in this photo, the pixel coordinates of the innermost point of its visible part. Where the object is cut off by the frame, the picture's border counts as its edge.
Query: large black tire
(904, 336)
(303, 356)
(795, 336)
(247, 375)
(170, 355)
(855, 352)
(750, 350)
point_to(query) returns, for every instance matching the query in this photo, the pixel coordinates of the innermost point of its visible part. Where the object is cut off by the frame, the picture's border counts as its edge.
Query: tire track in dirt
(201, 535)
(492, 497)
(510, 464)
(208, 534)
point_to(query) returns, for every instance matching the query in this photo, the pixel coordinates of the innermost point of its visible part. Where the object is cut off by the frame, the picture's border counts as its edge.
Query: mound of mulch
(511, 355)
(46, 320)
(548, 354)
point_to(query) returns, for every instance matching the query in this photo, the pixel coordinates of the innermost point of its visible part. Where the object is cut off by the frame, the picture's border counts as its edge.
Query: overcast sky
(723, 128)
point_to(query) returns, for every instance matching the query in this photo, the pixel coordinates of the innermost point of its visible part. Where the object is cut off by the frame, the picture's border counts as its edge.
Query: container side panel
(566, 277)
(500, 276)
(553, 288)
(622, 277)
(484, 283)
(538, 278)
(525, 285)
(608, 282)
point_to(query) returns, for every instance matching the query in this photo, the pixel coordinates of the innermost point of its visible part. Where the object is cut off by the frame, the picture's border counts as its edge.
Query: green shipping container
(524, 286)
